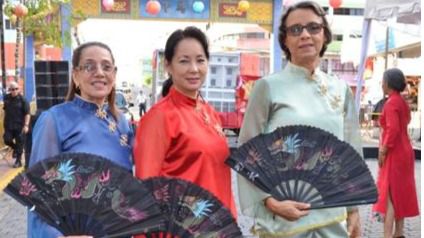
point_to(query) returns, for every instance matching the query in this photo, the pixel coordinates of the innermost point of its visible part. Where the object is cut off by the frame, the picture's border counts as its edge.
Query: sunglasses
(13, 89)
(312, 28)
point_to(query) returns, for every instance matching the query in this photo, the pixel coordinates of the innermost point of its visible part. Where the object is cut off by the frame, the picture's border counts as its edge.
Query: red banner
(230, 10)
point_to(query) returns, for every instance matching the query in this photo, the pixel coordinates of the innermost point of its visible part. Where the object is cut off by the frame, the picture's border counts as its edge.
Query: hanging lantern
(335, 3)
(108, 4)
(243, 5)
(198, 6)
(153, 7)
(20, 10)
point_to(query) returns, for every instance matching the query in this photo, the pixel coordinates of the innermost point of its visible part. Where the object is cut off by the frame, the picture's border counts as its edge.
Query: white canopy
(407, 11)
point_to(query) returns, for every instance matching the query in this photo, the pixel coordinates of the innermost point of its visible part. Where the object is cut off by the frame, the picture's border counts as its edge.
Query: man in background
(16, 121)
(141, 100)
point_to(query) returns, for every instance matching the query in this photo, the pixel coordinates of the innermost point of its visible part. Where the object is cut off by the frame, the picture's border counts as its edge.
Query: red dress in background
(397, 173)
(181, 137)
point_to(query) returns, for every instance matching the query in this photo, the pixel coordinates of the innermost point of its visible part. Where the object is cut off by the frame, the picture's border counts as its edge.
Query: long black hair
(172, 42)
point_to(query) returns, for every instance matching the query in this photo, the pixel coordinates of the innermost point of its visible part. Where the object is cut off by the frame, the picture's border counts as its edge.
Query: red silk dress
(182, 137)
(396, 177)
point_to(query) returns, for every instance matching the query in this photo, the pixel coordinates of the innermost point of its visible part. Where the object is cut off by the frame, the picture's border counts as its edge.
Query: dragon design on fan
(75, 186)
(121, 207)
(26, 187)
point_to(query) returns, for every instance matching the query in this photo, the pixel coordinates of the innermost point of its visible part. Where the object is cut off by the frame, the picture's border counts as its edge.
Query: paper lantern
(198, 6)
(153, 7)
(20, 10)
(243, 5)
(108, 4)
(335, 3)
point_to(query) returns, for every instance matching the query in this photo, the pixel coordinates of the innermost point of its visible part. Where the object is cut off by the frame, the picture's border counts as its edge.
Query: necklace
(102, 114)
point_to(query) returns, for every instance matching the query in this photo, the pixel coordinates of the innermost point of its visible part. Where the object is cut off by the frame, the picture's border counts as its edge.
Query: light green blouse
(295, 97)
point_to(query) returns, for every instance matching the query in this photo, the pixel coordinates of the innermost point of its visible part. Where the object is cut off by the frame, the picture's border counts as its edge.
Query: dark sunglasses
(313, 28)
(13, 89)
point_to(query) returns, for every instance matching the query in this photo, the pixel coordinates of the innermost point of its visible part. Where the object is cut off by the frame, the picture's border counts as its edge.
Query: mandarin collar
(393, 93)
(303, 71)
(183, 99)
(84, 104)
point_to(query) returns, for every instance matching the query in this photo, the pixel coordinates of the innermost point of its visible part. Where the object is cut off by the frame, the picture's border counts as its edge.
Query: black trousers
(15, 139)
(142, 108)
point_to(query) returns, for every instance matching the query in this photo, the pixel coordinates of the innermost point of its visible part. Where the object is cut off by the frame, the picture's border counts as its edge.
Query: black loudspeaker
(51, 83)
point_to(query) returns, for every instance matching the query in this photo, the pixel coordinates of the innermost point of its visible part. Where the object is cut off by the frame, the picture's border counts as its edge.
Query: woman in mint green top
(300, 94)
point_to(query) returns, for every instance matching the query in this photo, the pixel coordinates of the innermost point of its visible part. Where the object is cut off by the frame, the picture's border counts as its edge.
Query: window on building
(232, 107)
(212, 94)
(337, 37)
(228, 83)
(213, 70)
(213, 82)
(8, 25)
(346, 11)
(229, 71)
(216, 105)
(229, 95)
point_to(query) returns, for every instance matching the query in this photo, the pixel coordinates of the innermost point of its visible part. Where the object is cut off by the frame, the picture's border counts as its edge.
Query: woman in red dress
(181, 135)
(396, 183)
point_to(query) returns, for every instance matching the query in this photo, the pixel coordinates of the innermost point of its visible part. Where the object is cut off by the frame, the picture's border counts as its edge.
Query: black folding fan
(305, 164)
(84, 194)
(191, 211)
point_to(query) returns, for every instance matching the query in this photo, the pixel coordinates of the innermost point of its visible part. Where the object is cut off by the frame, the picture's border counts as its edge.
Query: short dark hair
(172, 42)
(76, 57)
(395, 79)
(317, 9)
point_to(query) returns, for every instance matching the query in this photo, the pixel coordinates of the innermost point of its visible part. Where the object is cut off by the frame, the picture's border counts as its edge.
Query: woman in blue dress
(88, 121)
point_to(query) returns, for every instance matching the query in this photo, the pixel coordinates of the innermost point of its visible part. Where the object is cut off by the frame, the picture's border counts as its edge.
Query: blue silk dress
(76, 126)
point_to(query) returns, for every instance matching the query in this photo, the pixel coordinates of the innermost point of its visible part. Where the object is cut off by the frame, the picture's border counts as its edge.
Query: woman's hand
(353, 224)
(382, 152)
(288, 209)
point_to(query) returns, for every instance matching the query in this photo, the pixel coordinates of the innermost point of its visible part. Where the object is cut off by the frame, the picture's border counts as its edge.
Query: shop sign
(230, 10)
(120, 6)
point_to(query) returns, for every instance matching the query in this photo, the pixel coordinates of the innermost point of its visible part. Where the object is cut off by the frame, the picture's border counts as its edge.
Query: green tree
(148, 80)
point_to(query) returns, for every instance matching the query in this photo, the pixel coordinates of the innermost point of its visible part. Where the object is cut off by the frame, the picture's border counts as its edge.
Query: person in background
(16, 122)
(141, 101)
(181, 135)
(397, 195)
(88, 121)
(300, 94)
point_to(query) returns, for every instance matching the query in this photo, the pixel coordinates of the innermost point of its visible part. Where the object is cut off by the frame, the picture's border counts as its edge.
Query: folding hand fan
(191, 211)
(305, 164)
(80, 193)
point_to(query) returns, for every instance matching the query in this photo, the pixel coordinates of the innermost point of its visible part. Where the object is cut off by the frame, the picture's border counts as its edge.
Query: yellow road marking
(8, 176)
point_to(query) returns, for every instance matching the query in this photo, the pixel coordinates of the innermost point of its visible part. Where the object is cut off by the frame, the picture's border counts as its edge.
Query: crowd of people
(181, 135)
